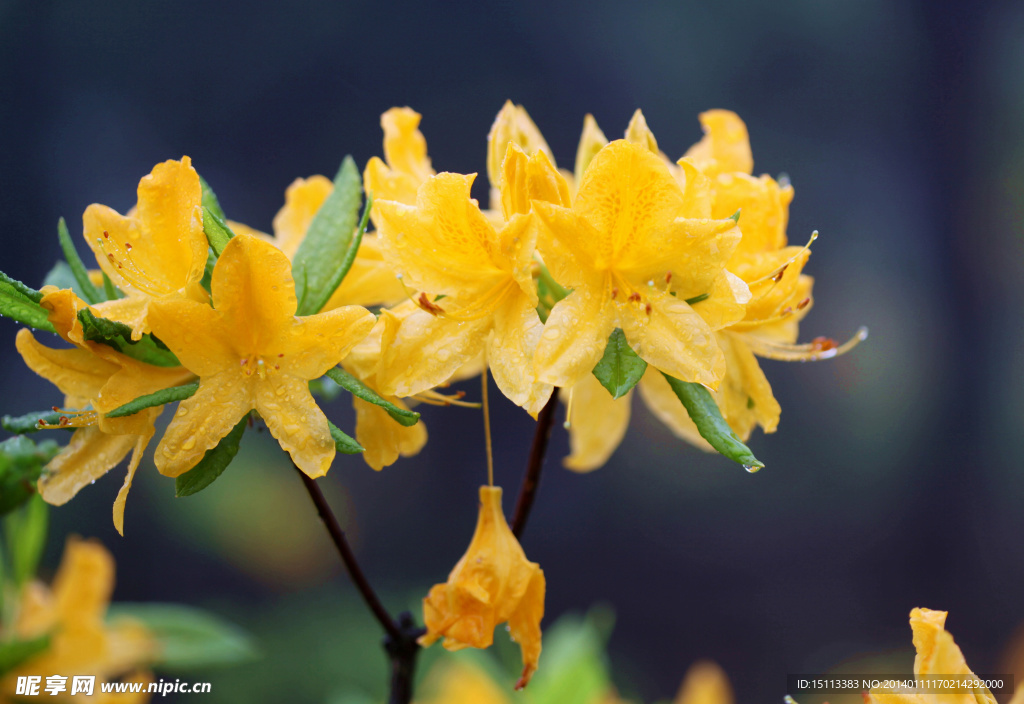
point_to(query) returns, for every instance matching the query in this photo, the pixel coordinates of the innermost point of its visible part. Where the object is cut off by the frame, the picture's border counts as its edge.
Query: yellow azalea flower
(491, 584)
(512, 126)
(463, 683)
(157, 252)
(445, 246)
(705, 683)
(73, 613)
(384, 439)
(628, 244)
(405, 151)
(726, 146)
(96, 375)
(937, 654)
(250, 351)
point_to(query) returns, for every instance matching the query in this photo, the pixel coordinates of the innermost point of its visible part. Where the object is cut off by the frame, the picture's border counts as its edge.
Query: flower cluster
(631, 269)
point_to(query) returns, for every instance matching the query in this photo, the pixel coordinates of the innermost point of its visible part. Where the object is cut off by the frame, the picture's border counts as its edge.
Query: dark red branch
(531, 477)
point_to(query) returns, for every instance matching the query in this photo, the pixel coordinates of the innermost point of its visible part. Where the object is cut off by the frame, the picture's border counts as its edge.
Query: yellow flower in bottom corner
(937, 654)
(491, 584)
(73, 613)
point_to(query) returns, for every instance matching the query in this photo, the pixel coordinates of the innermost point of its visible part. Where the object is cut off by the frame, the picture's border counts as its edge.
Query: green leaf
(88, 291)
(21, 463)
(15, 652)
(188, 637)
(697, 299)
(620, 368)
(214, 462)
(157, 398)
(342, 442)
(218, 234)
(109, 290)
(705, 414)
(326, 245)
(210, 200)
(119, 336)
(735, 217)
(21, 303)
(576, 671)
(350, 256)
(360, 390)
(25, 530)
(28, 423)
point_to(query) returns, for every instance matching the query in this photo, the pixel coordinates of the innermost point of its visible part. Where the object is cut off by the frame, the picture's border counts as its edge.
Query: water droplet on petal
(752, 468)
(182, 411)
(552, 334)
(188, 444)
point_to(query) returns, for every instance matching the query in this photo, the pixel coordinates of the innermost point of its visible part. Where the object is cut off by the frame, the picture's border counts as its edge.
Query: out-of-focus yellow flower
(937, 654)
(250, 351)
(704, 683)
(73, 613)
(405, 151)
(445, 246)
(491, 584)
(463, 683)
(634, 251)
(97, 376)
(157, 252)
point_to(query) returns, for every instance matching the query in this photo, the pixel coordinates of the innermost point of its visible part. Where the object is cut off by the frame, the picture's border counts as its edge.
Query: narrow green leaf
(24, 311)
(620, 368)
(705, 414)
(342, 442)
(698, 299)
(21, 463)
(119, 336)
(17, 288)
(28, 423)
(109, 290)
(735, 217)
(210, 200)
(15, 652)
(214, 462)
(218, 234)
(360, 390)
(157, 398)
(346, 264)
(326, 245)
(89, 292)
(188, 637)
(25, 530)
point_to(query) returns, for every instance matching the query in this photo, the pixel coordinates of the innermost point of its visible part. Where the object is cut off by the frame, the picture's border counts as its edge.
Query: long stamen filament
(487, 427)
(120, 256)
(568, 410)
(433, 398)
(778, 270)
(70, 418)
(819, 348)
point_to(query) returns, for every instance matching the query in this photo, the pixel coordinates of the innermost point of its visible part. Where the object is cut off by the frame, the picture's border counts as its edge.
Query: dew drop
(443, 354)
(93, 481)
(752, 468)
(188, 444)
(182, 411)
(552, 334)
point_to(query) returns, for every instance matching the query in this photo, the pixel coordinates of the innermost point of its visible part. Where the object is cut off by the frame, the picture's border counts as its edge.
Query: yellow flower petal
(725, 147)
(574, 338)
(491, 584)
(89, 455)
(639, 133)
(592, 139)
(675, 339)
(763, 207)
(297, 423)
(405, 147)
(122, 494)
(76, 372)
(512, 124)
(302, 199)
(201, 421)
(194, 332)
(84, 582)
(525, 178)
(597, 426)
(253, 289)
(510, 350)
(370, 281)
(162, 248)
(705, 683)
(384, 439)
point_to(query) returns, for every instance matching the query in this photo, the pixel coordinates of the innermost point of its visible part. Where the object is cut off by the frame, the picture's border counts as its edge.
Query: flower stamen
(816, 349)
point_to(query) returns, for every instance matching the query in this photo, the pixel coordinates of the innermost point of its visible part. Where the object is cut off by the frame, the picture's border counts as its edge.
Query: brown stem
(400, 642)
(531, 477)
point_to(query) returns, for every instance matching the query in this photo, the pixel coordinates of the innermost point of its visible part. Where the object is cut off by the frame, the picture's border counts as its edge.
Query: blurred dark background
(895, 479)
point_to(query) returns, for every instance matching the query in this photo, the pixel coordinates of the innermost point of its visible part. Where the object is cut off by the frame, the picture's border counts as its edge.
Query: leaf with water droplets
(705, 414)
(342, 442)
(325, 248)
(360, 390)
(214, 462)
(157, 398)
(29, 423)
(20, 302)
(218, 234)
(620, 368)
(119, 336)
